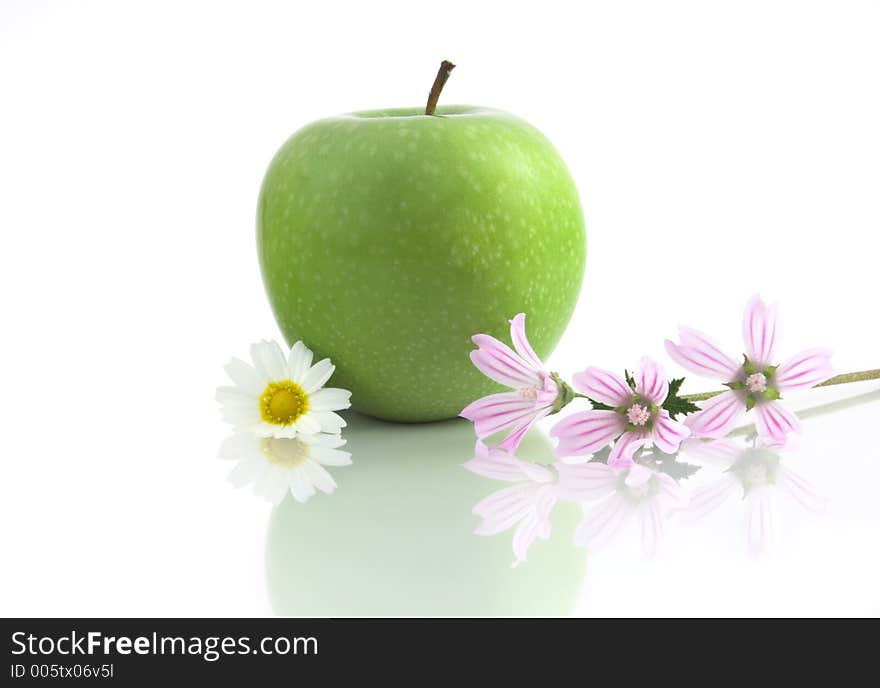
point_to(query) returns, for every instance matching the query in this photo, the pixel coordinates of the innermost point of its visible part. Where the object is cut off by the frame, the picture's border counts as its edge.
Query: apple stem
(443, 73)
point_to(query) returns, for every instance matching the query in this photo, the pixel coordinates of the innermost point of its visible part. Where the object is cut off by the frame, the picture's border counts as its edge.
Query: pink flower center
(756, 475)
(640, 491)
(756, 382)
(530, 393)
(638, 414)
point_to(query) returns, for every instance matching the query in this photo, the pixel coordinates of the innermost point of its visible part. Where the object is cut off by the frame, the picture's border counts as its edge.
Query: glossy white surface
(720, 150)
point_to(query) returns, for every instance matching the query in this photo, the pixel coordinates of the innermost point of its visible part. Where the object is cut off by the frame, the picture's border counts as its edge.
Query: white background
(721, 149)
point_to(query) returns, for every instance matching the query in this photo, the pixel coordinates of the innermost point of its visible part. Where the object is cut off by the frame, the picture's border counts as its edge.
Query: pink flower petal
(759, 331)
(603, 386)
(623, 450)
(602, 522)
(638, 475)
(775, 421)
(699, 354)
(717, 417)
(528, 529)
(721, 453)
(511, 442)
(804, 370)
(704, 500)
(800, 489)
(759, 520)
(493, 463)
(498, 411)
(504, 508)
(585, 432)
(521, 342)
(497, 362)
(668, 434)
(671, 493)
(535, 524)
(651, 381)
(581, 482)
(651, 524)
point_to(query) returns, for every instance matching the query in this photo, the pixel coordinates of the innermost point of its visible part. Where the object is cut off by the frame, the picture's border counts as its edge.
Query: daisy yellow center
(283, 452)
(282, 403)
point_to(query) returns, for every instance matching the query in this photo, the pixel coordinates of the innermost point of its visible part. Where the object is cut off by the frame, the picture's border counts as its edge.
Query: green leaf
(630, 380)
(675, 404)
(599, 406)
(602, 455)
(669, 464)
(678, 470)
(772, 394)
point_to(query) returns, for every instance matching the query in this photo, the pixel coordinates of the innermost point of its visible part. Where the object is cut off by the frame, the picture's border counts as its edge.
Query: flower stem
(443, 73)
(843, 379)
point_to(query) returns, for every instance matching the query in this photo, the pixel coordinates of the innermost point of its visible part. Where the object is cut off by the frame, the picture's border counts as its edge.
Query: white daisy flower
(275, 465)
(282, 396)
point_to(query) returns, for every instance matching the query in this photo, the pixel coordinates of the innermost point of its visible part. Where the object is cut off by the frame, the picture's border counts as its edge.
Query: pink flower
(527, 504)
(612, 496)
(636, 416)
(755, 383)
(754, 474)
(536, 392)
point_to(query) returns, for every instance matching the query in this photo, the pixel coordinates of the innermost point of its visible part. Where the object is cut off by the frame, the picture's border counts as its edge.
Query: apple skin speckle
(386, 239)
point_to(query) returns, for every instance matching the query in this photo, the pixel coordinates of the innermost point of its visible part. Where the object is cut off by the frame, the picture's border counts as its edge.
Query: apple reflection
(396, 538)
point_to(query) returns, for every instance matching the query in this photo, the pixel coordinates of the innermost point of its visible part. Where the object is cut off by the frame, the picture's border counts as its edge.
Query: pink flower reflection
(612, 496)
(526, 505)
(756, 473)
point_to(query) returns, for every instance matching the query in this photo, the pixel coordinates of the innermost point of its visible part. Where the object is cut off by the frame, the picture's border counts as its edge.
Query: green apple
(396, 537)
(387, 238)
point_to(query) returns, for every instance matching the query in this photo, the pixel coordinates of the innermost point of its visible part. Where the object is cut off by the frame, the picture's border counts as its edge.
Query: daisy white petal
(319, 477)
(269, 360)
(275, 465)
(330, 399)
(308, 424)
(245, 377)
(330, 422)
(300, 486)
(299, 360)
(324, 440)
(331, 457)
(317, 375)
(281, 395)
